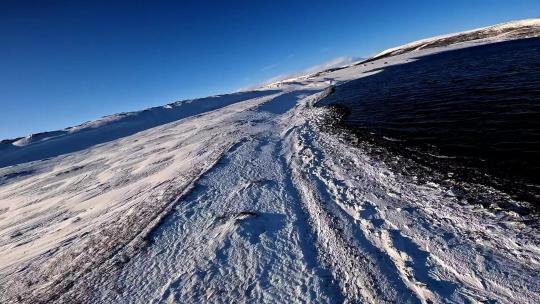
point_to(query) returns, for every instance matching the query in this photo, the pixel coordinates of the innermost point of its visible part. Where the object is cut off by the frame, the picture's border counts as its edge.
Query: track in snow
(240, 235)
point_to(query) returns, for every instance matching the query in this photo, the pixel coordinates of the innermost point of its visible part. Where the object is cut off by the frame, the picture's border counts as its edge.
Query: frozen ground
(250, 200)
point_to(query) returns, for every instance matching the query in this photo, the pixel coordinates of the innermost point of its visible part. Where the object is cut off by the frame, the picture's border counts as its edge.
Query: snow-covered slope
(499, 32)
(244, 198)
(50, 144)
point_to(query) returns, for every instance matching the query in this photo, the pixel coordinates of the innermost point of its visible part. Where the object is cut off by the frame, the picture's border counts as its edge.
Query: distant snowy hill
(499, 32)
(248, 197)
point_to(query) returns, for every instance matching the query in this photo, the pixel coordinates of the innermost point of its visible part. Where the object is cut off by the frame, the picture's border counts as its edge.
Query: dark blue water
(474, 111)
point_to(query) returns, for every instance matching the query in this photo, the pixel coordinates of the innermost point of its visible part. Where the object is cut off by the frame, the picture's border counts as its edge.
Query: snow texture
(244, 198)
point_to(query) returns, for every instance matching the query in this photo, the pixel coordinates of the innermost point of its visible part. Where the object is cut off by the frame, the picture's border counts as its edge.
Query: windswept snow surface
(253, 201)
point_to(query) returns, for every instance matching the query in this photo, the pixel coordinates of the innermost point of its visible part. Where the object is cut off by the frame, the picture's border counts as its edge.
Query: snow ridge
(504, 31)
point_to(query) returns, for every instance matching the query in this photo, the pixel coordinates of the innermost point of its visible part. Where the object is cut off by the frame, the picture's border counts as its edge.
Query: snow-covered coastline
(246, 199)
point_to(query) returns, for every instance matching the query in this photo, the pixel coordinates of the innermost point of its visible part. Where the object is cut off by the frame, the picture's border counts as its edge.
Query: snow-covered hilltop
(246, 197)
(499, 32)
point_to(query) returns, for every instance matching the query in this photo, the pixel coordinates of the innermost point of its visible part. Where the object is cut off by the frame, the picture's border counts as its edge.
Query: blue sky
(66, 62)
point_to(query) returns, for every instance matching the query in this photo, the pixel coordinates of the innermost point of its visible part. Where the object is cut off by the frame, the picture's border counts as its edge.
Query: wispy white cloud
(275, 65)
(325, 49)
(269, 67)
(336, 62)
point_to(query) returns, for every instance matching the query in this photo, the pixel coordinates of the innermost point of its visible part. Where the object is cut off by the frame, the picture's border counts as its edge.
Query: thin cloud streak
(336, 62)
(269, 67)
(275, 65)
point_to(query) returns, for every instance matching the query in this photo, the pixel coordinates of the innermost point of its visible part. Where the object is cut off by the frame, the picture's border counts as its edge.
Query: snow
(440, 250)
(244, 198)
(50, 144)
(502, 31)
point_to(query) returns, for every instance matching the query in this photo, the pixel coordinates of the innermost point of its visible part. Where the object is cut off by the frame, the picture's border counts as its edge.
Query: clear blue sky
(66, 62)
